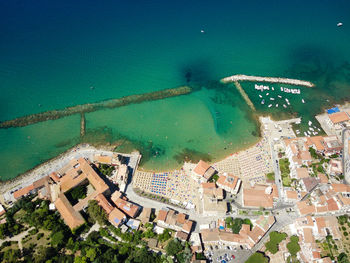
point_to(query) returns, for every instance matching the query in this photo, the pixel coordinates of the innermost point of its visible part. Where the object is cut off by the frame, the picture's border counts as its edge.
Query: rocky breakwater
(91, 107)
(296, 82)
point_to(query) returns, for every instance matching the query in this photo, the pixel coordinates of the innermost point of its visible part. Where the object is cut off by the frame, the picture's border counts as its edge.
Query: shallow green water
(53, 52)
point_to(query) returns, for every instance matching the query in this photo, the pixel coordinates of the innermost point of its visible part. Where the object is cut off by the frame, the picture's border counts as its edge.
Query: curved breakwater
(91, 107)
(296, 82)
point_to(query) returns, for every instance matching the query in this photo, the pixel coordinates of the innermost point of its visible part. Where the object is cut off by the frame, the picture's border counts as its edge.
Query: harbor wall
(296, 82)
(91, 107)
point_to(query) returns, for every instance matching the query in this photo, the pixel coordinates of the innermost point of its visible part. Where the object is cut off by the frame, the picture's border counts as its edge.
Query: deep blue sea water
(52, 52)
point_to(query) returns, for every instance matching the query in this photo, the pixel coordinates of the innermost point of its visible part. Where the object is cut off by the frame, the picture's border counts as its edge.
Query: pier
(82, 125)
(244, 95)
(91, 107)
(295, 82)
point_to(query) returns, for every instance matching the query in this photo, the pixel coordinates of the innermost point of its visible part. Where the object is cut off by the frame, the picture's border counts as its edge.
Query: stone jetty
(244, 95)
(295, 82)
(91, 107)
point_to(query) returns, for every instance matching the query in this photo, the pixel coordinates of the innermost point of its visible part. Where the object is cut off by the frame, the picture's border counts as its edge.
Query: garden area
(275, 239)
(106, 170)
(236, 224)
(258, 257)
(77, 193)
(285, 172)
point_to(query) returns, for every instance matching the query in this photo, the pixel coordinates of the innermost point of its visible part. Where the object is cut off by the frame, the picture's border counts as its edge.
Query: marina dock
(295, 82)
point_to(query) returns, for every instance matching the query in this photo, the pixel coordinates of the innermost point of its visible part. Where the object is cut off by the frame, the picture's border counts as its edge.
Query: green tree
(293, 246)
(275, 239)
(174, 247)
(57, 239)
(96, 213)
(91, 253)
(257, 257)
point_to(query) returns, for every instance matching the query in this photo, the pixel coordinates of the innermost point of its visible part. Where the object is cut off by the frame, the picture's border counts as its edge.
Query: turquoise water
(53, 52)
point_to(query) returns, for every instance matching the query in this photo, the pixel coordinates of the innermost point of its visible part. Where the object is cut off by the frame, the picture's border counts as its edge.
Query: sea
(55, 54)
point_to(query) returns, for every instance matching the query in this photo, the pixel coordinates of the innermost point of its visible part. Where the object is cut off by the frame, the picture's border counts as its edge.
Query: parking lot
(227, 254)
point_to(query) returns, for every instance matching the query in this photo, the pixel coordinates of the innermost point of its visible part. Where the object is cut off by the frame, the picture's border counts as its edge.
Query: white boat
(339, 24)
(270, 106)
(316, 132)
(260, 96)
(202, 31)
(273, 88)
(305, 133)
(318, 129)
(310, 122)
(311, 129)
(272, 98)
(281, 89)
(284, 105)
(263, 102)
(279, 96)
(277, 105)
(267, 94)
(302, 100)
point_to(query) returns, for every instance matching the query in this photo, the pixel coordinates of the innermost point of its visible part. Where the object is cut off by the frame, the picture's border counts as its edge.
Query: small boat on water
(305, 133)
(318, 129)
(284, 105)
(267, 94)
(260, 96)
(270, 106)
(263, 102)
(310, 123)
(202, 31)
(302, 100)
(273, 88)
(281, 89)
(272, 98)
(339, 24)
(277, 105)
(279, 96)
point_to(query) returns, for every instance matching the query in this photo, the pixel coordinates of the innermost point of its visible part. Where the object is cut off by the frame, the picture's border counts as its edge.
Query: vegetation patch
(275, 239)
(236, 224)
(257, 257)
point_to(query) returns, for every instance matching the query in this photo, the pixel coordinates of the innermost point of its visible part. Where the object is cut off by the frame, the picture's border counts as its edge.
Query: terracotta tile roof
(187, 227)
(291, 194)
(323, 178)
(103, 159)
(210, 235)
(305, 155)
(208, 185)
(308, 236)
(257, 198)
(332, 205)
(128, 208)
(102, 201)
(341, 188)
(54, 177)
(116, 217)
(146, 214)
(93, 177)
(338, 117)
(24, 191)
(310, 183)
(201, 168)
(71, 217)
(162, 214)
(325, 260)
(256, 234)
(321, 223)
(321, 209)
(302, 172)
(305, 208)
(181, 218)
(316, 255)
(181, 235)
(344, 200)
(317, 141)
(229, 181)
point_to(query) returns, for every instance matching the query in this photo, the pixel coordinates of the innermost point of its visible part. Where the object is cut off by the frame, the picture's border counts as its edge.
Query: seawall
(296, 82)
(91, 107)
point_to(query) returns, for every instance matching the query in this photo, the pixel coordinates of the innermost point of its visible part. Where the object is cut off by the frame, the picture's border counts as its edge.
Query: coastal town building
(203, 172)
(297, 152)
(145, 215)
(246, 237)
(229, 183)
(212, 200)
(259, 196)
(172, 219)
(41, 186)
(130, 209)
(325, 145)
